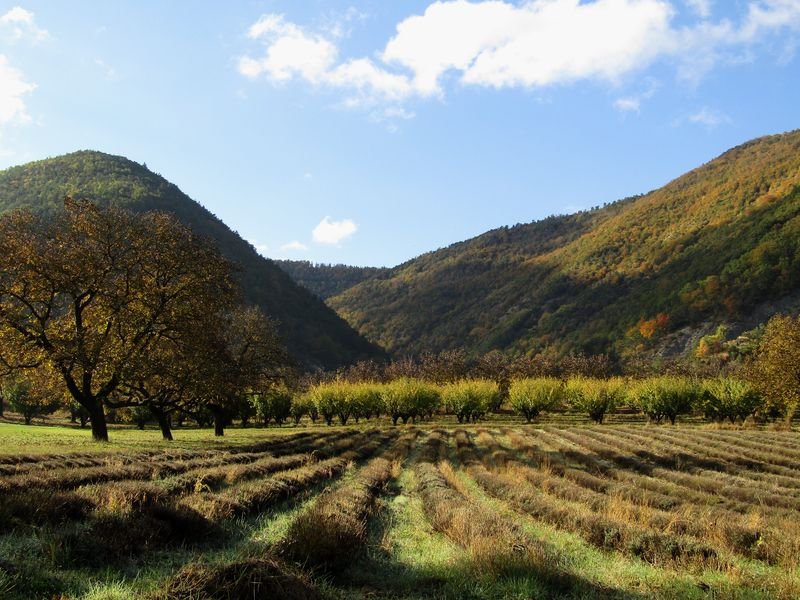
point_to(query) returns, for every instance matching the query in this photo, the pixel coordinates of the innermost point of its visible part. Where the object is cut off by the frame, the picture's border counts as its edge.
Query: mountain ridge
(314, 334)
(712, 243)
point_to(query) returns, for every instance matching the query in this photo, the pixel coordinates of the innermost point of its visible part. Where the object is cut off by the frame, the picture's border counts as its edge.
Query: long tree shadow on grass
(378, 571)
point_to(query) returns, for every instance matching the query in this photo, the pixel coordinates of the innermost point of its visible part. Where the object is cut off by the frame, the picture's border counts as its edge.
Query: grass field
(493, 511)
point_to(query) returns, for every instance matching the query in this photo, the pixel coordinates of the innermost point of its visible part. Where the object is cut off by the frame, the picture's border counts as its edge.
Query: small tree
(274, 404)
(596, 397)
(408, 398)
(470, 399)
(663, 397)
(775, 370)
(23, 399)
(529, 397)
(728, 398)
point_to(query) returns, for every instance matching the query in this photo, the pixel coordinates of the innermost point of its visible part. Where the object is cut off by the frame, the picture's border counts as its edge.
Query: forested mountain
(710, 246)
(314, 334)
(327, 280)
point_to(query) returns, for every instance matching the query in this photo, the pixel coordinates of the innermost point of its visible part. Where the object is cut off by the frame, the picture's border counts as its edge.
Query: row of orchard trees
(406, 399)
(108, 309)
(662, 398)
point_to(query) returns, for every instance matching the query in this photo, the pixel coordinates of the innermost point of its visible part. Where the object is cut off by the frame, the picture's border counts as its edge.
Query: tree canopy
(93, 295)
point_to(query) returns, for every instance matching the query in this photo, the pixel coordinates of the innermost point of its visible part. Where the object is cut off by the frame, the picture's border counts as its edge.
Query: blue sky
(368, 132)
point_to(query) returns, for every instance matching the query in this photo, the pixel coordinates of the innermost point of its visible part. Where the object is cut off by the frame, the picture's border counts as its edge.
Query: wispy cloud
(13, 90)
(499, 44)
(702, 8)
(709, 117)
(108, 71)
(19, 23)
(295, 245)
(633, 103)
(329, 231)
(262, 249)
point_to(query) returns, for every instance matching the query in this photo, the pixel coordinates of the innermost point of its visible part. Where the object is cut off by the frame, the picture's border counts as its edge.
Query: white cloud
(295, 245)
(262, 249)
(13, 89)
(540, 43)
(530, 44)
(702, 8)
(634, 102)
(19, 23)
(630, 104)
(290, 52)
(333, 232)
(709, 117)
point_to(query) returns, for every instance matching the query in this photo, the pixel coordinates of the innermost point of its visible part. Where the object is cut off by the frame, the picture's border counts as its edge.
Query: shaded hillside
(312, 331)
(327, 280)
(711, 245)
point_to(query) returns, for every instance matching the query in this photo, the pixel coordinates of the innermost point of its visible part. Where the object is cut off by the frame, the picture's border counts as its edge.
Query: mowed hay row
(144, 468)
(760, 466)
(659, 479)
(231, 473)
(496, 546)
(265, 578)
(694, 472)
(41, 505)
(254, 496)
(687, 452)
(328, 534)
(601, 473)
(774, 540)
(506, 479)
(753, 440)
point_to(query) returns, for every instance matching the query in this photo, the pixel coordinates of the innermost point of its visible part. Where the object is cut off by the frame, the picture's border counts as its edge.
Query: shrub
(728, 398)
(529, 397)
(596, 397)
(663, 397)
(470, 399)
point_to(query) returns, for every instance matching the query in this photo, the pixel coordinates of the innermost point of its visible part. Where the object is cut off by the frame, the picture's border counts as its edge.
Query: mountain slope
(711, 245)
(314, 334)
(327, 280)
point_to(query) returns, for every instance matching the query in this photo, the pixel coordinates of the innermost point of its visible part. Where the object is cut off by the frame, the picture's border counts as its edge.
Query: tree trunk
(163, 422)
(219, 420)
(2, 405)
(97, 416)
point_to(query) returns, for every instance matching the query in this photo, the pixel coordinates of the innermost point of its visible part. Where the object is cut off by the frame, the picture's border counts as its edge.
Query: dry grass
(250, 579)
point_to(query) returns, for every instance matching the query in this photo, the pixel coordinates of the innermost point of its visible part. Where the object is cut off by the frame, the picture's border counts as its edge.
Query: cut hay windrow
(497, 547)
(703, 455)
(740, 534)
(783, 484)
(736, 460)
(509, 482)
(263, 578)
(251, 497)
(628, 484)
(327, 535)
(654, 478)
(681, 469)
(155, 467)
(743, 442)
